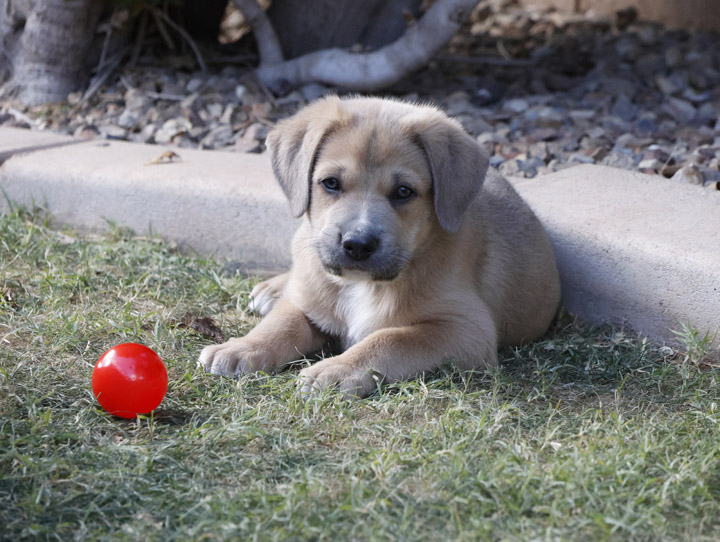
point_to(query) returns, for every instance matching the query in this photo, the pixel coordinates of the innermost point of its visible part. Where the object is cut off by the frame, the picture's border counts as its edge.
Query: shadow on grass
(579, 365)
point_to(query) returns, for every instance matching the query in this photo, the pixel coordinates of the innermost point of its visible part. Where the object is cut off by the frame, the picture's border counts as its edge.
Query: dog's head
(376, 178)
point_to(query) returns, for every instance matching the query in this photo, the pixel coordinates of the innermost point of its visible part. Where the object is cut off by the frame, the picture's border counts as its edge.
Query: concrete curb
(218, 204)
(16, 141)
(633, 249)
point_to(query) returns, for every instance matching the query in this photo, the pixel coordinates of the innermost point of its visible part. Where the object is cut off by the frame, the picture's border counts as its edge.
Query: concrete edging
(217, 203)
(632, 249)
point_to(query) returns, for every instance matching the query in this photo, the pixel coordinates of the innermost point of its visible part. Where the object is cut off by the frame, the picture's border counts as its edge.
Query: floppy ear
(294, 144)
(457, 164)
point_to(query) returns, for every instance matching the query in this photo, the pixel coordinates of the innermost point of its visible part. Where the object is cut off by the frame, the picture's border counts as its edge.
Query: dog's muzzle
(360, 250)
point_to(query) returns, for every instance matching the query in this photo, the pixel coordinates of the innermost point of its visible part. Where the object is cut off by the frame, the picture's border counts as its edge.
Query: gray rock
(226, 117)
(516, 105)
(194, 85)
(681, 110)
(510, 168)
(136, 100)
(112, 131)
(596, 132)
(492, 137)
(628, 47)
(707, 112)
(539, 150)
(129, 118)
(710, 174)
(581, 158)
(496, 160)
(475, 124)
(649, 64)
(647, 126)
(696, 97)
(74, 98)
(624, 108)
(690, 175)
(673, 56)
(163, 137)
(458, 103)
(666, 85)
(244, 95)
(582, 115)
(147, 133)
(650, 163)
(619, 160)
(215, 110)
(171, 129)
(545, 117)
(656, 152)
(531, 166)
(220, 136)
(173, 88)
(256, 131)
(196, 133)
(88, 131)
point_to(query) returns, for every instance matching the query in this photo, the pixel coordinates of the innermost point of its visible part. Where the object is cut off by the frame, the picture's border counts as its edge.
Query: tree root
(356, 71)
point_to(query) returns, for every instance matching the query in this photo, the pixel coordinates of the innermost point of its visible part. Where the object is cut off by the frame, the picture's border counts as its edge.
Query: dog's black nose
(359, 247)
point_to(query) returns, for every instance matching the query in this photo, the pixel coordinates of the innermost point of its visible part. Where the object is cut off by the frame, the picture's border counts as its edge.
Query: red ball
(129, 379)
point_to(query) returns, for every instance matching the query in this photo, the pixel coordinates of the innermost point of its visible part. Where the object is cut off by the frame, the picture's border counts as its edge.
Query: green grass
(590, 434)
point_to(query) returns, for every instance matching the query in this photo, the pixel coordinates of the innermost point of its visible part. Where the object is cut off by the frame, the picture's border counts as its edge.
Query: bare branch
(268, 44)
(139, 39)
(162, 30)
(378, 69)
(180, 30)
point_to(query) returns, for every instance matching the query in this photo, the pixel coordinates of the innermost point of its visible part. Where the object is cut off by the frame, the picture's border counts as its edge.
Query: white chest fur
(362, 308)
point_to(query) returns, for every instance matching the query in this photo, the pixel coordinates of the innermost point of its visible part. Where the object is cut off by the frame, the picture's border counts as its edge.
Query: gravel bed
(541, 91)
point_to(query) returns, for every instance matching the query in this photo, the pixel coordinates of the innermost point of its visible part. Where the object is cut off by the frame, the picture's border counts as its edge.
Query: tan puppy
(411, 251)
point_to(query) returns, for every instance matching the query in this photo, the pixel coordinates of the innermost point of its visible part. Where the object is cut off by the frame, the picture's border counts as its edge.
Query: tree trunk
(46, 44)
(311, 25)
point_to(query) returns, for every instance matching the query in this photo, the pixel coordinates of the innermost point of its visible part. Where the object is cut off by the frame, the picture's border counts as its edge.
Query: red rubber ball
(129, 379)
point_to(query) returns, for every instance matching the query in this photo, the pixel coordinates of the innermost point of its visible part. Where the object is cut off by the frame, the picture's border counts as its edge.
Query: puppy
(411, 251)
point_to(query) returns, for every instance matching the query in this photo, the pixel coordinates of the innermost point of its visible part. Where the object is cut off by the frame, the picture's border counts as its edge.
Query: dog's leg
(266, 293)
(400, 353)
(283, 336)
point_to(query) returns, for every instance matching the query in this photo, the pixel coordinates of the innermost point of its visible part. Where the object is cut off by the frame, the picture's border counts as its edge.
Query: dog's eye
(403, 192)
(331, 185)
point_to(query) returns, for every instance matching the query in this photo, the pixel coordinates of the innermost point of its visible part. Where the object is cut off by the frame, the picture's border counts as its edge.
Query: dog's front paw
(234, 357)
(265, 294)
(352, 381)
